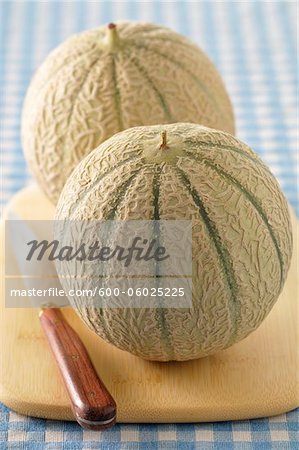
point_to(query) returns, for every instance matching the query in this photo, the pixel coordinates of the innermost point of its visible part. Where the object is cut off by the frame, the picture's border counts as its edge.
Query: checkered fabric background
(254, 46)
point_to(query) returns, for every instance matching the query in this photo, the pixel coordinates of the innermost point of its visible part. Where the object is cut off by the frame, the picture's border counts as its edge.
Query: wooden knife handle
(92, 404)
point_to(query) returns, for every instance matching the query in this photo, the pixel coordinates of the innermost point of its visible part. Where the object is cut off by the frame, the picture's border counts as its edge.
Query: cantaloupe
(241, 233)
(109, 79)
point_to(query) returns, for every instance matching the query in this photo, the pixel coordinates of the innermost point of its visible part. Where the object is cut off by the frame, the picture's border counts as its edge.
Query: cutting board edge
(24, 407)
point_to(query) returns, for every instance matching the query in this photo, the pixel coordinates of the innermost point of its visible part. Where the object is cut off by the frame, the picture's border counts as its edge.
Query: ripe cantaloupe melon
(105, 80)
(241, 233)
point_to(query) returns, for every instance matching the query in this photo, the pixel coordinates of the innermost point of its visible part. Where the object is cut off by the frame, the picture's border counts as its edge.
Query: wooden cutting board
(256, 377)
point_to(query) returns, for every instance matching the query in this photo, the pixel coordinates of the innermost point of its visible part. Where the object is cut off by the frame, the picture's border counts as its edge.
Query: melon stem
(163, 145)
(113, 37)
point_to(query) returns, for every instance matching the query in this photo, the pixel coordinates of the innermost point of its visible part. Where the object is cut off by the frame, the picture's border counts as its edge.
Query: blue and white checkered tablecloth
(254, 46)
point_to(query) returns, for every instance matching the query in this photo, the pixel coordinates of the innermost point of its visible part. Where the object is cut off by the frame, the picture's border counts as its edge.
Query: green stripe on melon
(252, 200)
(241, 240)
(179, 65)
(222, 252)
(160, 313)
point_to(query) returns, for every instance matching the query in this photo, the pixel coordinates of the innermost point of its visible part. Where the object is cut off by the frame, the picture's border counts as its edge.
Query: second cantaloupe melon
(105, 80)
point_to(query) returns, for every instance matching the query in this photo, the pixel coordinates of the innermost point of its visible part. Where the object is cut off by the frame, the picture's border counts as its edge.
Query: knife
(93, 406)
